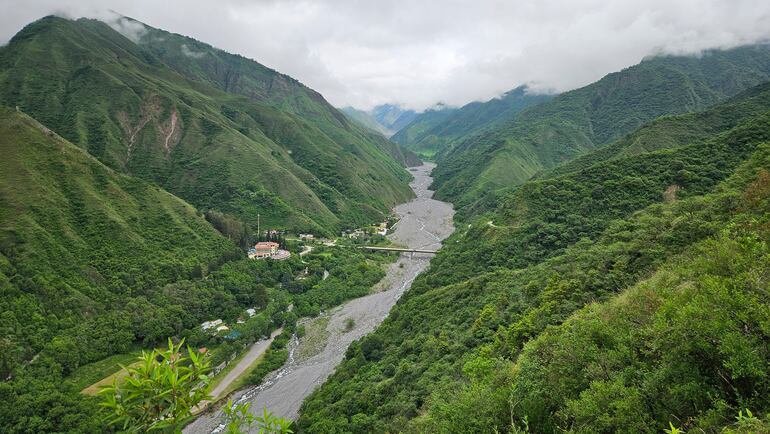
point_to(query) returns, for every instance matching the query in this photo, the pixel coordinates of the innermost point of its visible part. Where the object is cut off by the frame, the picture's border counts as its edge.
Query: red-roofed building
(263, 249)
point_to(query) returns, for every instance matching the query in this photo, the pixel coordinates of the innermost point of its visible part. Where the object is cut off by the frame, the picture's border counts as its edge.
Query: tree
(159, 393)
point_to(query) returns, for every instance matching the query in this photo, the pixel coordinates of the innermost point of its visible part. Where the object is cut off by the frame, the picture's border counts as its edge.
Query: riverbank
(424, 223)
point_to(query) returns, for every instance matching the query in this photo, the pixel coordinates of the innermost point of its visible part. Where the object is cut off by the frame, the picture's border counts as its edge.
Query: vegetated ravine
(424, 223)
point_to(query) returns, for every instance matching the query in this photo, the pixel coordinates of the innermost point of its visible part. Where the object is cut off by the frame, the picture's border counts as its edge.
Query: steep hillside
(580, 120)
(238, 75)
(416, 135)
(438, 130)
(80, 242)
(475, 345)
(154, 110)
(668, 132)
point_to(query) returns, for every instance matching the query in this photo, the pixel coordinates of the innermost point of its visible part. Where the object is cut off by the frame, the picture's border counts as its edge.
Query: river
(424, 223)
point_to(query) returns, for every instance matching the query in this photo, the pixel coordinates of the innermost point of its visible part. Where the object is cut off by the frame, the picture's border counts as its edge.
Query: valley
(492, 235)
(423, 223)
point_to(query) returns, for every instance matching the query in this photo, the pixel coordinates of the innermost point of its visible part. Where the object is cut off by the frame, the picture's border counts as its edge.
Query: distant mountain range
(436, 129)
(386, 119)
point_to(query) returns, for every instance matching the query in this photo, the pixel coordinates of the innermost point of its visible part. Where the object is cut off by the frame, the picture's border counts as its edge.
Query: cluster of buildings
(379, 229)
(218, 326)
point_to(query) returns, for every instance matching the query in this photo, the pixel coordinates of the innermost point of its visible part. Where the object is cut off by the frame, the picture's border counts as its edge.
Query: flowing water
(424, 223)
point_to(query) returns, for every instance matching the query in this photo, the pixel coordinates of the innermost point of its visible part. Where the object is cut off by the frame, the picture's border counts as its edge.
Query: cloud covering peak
(417, 53)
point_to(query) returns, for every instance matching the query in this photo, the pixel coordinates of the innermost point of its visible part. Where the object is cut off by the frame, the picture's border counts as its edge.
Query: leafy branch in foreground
(158, 393)
(238, 419)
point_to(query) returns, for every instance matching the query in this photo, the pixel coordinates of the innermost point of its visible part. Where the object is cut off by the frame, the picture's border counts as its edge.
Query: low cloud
(453, 51)
(190, 53)
(132, 30)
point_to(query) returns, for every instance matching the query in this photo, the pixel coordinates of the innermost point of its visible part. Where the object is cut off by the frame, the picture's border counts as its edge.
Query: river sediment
(424, 223)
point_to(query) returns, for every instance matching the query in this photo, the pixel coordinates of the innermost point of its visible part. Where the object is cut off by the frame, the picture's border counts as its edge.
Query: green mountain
(618, 295)
(83, 253)
(365, 119)
(95, 265)
(578, 121)
(437, 130)
(218, 130)
(392, 117)
(236, 74)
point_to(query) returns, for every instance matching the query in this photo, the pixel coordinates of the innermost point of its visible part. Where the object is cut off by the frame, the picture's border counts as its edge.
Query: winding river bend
(424, 223)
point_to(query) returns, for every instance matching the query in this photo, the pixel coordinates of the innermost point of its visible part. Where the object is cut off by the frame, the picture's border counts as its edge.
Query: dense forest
(621, 293)
(574, 122)
(96, 264)
(197, 126)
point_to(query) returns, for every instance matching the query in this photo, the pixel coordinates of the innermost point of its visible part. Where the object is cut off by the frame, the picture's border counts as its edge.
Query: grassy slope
(241, 76)
(560, 245)
(435, 131)
(583, 119)
(117, 100)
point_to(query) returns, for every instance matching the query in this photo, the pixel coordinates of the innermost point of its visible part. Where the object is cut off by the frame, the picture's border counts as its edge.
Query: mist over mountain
(219, 130)
(554, 217)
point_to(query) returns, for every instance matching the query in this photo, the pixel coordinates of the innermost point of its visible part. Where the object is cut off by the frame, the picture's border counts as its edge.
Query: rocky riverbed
(424, 223)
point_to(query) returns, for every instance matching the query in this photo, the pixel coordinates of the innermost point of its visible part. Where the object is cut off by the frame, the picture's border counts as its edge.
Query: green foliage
(239, 420)
(441, 128)
(583, 242)
(349, 324)
(160, 393)
(94, 264)
(274, 358)
(575, 122)
(218, 130)
(237, 417)
(672, 429)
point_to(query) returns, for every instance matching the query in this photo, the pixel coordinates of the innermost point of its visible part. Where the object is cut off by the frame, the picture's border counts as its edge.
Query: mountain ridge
(130, 109)
(436, 130)
(577, 121)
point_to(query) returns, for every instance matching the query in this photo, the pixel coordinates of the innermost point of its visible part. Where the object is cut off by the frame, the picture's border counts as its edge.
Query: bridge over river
(423, 224)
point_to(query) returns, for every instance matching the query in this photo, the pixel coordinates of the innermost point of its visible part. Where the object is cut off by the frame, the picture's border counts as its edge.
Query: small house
(211, 324)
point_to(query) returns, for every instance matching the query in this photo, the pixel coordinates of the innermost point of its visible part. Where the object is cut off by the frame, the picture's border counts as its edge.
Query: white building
(211, 324)
(251, 312)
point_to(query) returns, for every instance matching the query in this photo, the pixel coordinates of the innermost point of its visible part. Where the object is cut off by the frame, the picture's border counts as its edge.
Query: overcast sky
(420, 52)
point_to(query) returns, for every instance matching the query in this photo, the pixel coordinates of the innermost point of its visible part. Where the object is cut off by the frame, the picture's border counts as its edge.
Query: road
(256, 351)
(424, 222)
